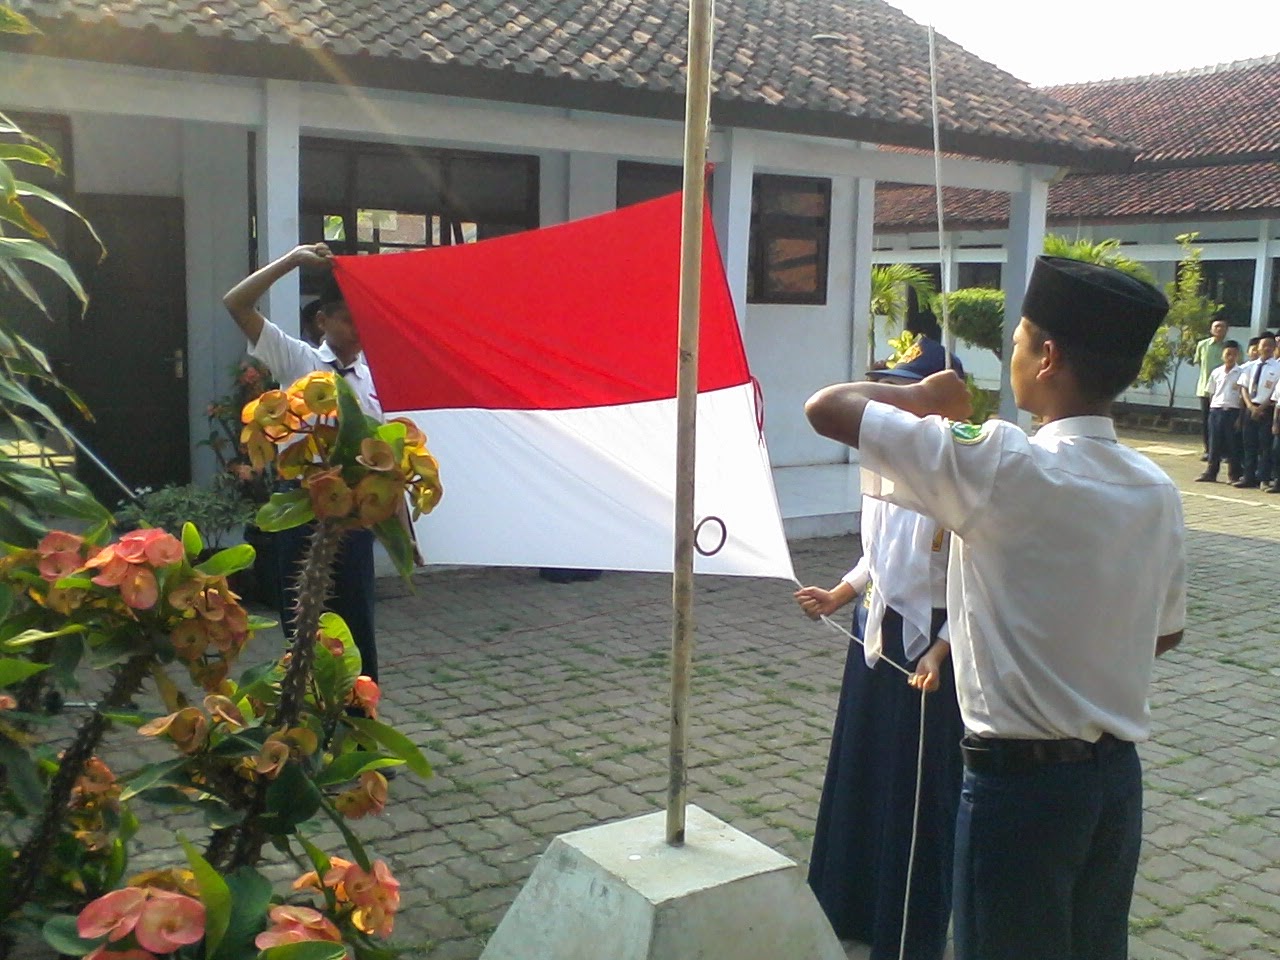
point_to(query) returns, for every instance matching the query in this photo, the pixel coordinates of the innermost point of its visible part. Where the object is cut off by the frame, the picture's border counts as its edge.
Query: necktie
(340, 369)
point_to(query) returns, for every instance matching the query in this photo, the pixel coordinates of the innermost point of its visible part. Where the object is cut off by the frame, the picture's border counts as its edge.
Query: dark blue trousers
(352, 597)
(1257, 449)
(1223, 427)
(1045, 861)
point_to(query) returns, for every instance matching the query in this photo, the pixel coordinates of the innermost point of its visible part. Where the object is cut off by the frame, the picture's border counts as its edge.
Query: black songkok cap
(330, 292)
(1094, 307)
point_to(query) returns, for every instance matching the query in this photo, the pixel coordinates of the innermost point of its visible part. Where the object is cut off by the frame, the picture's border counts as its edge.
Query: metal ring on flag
(697, 532)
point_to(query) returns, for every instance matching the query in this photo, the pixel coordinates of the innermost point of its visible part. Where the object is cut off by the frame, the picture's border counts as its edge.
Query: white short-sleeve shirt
(289, 358)
(1224, 388)
(1067, 561)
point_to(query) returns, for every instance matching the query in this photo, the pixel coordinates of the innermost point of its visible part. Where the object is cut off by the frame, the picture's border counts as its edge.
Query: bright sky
(1046, 42)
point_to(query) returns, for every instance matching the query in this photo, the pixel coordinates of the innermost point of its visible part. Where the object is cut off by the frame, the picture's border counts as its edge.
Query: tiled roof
(1230, 111)
(846, 68)
(1241, 189)
(1209, 145)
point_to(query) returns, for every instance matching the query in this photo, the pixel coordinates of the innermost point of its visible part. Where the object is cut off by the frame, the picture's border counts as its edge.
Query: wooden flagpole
(696, 123)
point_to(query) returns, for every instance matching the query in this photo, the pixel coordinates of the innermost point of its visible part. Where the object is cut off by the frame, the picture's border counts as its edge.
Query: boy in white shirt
(1224, 415)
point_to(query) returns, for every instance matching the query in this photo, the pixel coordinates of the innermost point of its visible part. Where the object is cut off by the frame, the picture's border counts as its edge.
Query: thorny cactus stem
(315, 581)
(31, 861)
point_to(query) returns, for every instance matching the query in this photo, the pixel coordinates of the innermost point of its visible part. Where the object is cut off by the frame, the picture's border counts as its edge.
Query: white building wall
(139, 156)
(795, 350)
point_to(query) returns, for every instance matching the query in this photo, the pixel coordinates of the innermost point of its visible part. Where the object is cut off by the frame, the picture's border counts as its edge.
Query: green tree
(889, 285)
(1190, 314)
(1105, 252)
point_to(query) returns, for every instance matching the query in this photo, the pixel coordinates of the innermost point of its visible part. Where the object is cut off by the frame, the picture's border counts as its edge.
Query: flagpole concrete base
(620, 892)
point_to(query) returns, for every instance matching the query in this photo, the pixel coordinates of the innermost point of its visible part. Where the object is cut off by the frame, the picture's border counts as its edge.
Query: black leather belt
(994, 755)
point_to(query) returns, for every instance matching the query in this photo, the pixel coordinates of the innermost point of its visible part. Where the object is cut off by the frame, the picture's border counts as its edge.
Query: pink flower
(55, 566)
(169, 921)
(102, 953)
(7, 702)
(113, 915)
(114, 568)
(152, 546)
(376, 896)
(59, 541)
(139, 588)
(295, 925)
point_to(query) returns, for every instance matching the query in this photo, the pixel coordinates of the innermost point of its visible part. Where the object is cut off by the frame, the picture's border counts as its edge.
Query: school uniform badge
(967, 433)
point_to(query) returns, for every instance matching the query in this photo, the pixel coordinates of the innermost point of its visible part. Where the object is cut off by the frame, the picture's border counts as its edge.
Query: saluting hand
(945, 394)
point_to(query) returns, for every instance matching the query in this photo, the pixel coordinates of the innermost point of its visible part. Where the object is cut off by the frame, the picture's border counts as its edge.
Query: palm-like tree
(889, 285)
(1105, 252)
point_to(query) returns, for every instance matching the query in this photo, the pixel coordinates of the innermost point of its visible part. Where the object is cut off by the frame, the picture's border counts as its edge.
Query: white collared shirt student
(1224, 388)
(1259, 378)
(289, 358)
(1047, 642)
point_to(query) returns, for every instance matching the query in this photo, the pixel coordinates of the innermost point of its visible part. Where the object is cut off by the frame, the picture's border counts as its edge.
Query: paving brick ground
(543, 708)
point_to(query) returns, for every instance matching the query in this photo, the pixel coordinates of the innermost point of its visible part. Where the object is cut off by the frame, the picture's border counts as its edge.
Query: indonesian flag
(542, 368)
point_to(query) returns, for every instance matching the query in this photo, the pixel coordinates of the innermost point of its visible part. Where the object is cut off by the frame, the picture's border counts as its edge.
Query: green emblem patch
(967, 433)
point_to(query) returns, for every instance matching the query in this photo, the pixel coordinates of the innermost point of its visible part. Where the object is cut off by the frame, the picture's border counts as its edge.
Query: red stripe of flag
(582, 314)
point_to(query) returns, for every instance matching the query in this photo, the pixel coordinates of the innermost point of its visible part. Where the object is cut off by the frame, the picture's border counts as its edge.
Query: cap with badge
(1094, 307)
(923, 358)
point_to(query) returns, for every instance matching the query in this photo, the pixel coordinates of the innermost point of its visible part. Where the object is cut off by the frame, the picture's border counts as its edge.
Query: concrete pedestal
(619, 892)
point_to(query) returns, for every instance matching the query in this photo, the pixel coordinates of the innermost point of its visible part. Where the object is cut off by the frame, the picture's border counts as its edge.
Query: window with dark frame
(970, 275)
(790, 237)
(1230, 283)
(382, 198)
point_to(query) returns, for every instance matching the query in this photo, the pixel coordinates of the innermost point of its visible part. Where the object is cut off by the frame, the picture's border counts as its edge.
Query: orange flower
(210, 676)
(186, 728)
(426, 495)
(296, 925)
(423, 465)
(7, 702)
(376, 497)
(333, 879)
(319, 392)
(377, 898)
(413, 436)
(270, 409)
(173, 879)
(365, 694)
(221, 709)
(97, 778)
(271, 758)
(114, 567)
(64, 600)
(259, 447)
(376, 455)
(360, 801)
(296, 458)
(190, 638)
(331, 498)
(152, 545)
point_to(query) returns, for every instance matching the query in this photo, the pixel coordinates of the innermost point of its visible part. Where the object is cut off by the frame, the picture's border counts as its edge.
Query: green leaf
(191, 540)
(348, 835)
(292, 797)
(306, 950)
(335, 676)
(26, 153)
(15, 671)
(352, 426)
(60, 933)
(225, 562)
(23, 286)
(22, 775)
(320, 861)
(29, 638)
(214, 894)
(351, 765)
(250, 901)
(393, 535)
(395, 743)
(150, 775)
(284, 511)
(13, 22)
(257, 623)
(31, 190)
(18, 248)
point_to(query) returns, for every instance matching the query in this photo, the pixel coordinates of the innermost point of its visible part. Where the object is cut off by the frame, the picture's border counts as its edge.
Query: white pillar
(863, 231)
(277, 213)
(1027, 210)
(731, 211)
(593, 184)
(1262, 271)
(215, 192)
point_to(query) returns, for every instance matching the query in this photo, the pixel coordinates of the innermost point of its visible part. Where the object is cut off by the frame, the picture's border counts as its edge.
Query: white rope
(937, 189)
(915, 812)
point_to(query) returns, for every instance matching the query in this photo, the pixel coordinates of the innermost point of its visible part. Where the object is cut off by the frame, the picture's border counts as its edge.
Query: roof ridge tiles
(1229, 66)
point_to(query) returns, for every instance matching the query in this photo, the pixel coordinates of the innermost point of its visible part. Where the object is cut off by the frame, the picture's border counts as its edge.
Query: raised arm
(241, 300)
(836, 411)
